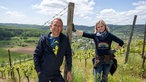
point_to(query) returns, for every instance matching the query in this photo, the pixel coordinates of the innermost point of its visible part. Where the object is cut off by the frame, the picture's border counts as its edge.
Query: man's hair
(57, 19)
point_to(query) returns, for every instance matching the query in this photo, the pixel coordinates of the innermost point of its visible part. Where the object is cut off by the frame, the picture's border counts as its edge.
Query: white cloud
(15, 15)
(50, 7)
(11, 16)
(84, 8)
(113, 17)
(126, 17)
(53, 7)
(3, 8)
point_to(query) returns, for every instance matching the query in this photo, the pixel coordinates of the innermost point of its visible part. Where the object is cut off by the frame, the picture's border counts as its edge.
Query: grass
(130, 72)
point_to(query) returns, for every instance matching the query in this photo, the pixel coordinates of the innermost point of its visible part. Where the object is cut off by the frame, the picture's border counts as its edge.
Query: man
(49, 54)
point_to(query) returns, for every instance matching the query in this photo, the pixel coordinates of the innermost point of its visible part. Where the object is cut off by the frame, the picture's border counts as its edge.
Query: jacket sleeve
(38, 54)
(68, 56)
(88, 35)
(118, 40)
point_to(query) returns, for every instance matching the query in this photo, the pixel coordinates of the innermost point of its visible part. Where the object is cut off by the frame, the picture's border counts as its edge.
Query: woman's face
(100, 27)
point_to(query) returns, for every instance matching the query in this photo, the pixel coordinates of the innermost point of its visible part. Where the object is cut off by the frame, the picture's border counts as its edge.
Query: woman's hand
(79, 32)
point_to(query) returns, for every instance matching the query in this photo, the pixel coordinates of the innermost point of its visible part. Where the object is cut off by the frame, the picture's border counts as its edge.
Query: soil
(24, 50)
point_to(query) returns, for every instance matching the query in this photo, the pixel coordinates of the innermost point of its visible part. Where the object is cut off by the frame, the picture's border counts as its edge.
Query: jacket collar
(48, 43)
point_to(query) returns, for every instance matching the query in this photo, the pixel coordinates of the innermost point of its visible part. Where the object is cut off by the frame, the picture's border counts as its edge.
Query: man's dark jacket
(44, 58)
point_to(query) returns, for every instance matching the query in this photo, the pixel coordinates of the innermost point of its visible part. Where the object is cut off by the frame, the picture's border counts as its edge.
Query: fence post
(128, 47)
(144, 42)
(11, 67)
(69, 30)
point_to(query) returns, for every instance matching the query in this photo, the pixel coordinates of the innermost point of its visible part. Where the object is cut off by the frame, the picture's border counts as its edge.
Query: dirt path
(25, 50)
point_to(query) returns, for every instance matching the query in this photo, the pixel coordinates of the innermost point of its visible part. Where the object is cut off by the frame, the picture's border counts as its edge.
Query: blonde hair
(102, 22)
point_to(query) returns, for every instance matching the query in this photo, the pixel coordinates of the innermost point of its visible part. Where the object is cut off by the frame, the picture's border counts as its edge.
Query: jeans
(103, 70)
(47, 78)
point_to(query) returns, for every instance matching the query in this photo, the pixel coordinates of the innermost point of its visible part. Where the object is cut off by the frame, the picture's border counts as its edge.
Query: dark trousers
(47, 78)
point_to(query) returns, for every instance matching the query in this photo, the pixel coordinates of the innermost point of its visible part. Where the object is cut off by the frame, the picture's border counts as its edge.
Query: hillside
(19, 25)
(12, 29)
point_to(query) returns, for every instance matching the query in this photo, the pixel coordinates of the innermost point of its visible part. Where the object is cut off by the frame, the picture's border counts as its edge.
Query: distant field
(24, 50)
(16, 54)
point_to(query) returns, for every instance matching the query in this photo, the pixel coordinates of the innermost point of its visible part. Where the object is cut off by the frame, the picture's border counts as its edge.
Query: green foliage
(6, 33)
(132, 69)
(78, 75)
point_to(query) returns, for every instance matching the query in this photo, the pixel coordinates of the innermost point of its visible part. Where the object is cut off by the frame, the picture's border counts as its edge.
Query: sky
(86, 12)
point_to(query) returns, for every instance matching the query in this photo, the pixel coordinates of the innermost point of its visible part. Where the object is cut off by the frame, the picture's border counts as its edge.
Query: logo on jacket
(103, 45)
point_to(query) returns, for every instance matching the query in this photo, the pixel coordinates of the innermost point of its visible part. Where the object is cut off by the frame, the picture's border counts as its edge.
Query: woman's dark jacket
(103, 45)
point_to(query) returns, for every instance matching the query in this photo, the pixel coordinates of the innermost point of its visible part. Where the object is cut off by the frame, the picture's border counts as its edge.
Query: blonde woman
(103, 40)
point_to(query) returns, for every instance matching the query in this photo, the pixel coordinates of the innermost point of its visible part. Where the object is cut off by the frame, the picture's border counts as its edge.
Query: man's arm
(37, 55)
(68, 55)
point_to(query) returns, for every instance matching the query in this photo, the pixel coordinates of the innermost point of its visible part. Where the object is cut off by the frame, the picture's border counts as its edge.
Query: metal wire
(61, 13)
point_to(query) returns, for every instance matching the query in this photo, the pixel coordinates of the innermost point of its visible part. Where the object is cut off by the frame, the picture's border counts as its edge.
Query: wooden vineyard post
(144, 42)
(10, 62)
(130, 39)
(11, 67)
(69, 31)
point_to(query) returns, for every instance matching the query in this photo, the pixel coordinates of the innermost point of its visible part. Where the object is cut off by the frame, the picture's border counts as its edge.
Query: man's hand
(69, 76)
(73, 28)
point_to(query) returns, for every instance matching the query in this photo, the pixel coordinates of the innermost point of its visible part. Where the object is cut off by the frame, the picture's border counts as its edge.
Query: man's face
(56, 27)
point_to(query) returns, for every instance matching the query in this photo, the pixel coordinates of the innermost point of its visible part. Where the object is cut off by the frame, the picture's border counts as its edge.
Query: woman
(103, 40)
